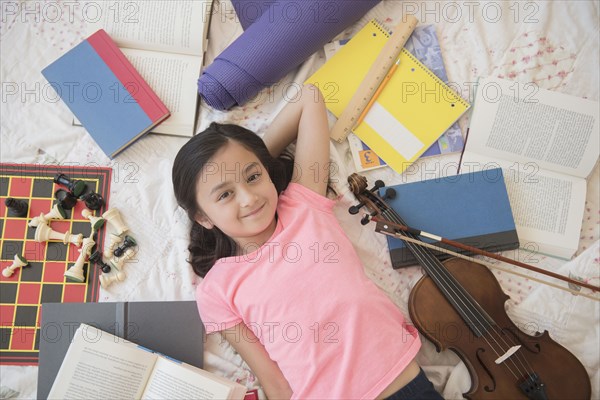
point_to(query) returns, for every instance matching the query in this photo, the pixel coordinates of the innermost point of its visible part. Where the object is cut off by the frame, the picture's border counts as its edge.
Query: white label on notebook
(392, 131)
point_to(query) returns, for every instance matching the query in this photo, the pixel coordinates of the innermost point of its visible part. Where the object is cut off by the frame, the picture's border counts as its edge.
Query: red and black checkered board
(42, 281)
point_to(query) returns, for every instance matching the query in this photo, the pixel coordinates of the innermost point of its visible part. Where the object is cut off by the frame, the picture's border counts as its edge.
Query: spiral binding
(382, 27)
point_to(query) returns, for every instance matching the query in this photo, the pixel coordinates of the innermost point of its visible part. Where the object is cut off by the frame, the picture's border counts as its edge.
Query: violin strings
(432, 261)
(433, 247)
(457, 288)
(450, 283)
(428, 258)
(438, 273)
(444, 276)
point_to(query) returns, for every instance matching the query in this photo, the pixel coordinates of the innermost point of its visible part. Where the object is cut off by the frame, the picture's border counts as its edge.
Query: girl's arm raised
(253, 352)
(305, 121)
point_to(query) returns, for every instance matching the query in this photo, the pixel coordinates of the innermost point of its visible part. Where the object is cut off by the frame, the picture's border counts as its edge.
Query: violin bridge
(509, 353)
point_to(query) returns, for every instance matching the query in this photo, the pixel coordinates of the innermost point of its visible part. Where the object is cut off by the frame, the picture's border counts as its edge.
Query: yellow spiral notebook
(414, 109)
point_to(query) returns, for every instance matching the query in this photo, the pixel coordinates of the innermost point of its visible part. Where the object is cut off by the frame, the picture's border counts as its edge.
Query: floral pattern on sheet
(533, 57)
(61, 23)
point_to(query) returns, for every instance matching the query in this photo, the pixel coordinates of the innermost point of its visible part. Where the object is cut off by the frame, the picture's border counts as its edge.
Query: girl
(282, 283)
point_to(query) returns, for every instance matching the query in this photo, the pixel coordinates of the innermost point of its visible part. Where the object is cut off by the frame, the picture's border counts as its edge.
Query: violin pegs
(378, 184)
(354, 209)
(390, 194)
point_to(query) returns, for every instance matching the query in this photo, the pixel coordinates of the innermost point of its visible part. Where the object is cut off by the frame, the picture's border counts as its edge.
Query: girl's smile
(253, 213)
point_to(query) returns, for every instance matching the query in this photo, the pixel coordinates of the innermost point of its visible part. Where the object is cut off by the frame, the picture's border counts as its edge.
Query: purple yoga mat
(282, 36)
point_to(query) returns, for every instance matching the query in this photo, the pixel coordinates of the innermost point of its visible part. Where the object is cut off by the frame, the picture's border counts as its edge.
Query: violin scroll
(368, 198)
(357, 183)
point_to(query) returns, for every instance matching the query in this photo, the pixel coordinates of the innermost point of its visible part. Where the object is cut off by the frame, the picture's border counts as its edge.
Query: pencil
(377, 92)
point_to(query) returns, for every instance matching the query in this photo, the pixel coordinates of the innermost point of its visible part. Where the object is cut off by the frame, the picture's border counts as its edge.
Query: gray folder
(172, 328)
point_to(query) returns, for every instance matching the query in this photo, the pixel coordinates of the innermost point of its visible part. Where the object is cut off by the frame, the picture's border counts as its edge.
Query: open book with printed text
(165, 41)
(101, 365)
(547, 143)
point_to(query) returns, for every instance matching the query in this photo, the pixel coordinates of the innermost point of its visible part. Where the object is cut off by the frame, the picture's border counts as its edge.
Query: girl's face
(235, 193)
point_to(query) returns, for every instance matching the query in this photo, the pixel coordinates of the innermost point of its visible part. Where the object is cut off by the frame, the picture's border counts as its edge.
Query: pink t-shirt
(333, 333)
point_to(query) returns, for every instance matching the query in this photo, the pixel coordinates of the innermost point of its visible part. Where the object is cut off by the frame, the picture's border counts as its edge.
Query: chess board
(43, 280)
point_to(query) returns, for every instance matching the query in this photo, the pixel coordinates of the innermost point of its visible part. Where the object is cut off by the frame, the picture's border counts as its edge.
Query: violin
(459, 305)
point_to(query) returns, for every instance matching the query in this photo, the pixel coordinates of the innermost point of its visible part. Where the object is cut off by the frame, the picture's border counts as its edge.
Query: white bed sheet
(552, 43)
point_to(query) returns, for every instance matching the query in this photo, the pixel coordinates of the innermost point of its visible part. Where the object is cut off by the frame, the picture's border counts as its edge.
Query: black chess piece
(96, 258)
(93, 200)
(76, 186)
(65, 199)
(127, 243)
(16, 208)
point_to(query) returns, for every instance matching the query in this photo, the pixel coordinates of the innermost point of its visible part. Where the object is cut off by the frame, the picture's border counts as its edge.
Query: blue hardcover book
(106, 93)
(471, 208)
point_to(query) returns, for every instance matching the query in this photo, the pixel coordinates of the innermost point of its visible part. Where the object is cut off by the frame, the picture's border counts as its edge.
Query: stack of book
(424, 45)
(127, 350)
(412, 111)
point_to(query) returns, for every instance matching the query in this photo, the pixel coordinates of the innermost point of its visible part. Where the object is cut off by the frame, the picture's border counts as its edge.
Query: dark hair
(208, 245)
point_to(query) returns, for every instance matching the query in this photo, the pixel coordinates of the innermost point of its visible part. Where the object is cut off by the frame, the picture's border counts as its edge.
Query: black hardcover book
(172, 328)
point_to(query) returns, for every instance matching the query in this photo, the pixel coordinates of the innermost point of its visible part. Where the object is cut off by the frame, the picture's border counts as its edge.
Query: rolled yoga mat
(281, 37)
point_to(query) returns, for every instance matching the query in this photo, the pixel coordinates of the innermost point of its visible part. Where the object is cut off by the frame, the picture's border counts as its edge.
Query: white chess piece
(113, 216)
(75, 272)
(57, 212)
(43, 233)
(96, 222)
(114, 242)
(18, 262)
(36, 221)
(119, 262)
(107, 279)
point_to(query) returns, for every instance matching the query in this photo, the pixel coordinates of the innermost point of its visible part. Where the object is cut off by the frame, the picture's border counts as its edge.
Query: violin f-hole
(532, 347)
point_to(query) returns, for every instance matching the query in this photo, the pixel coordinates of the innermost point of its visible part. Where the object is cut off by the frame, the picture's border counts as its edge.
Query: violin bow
(388, 228)
(358, 185)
